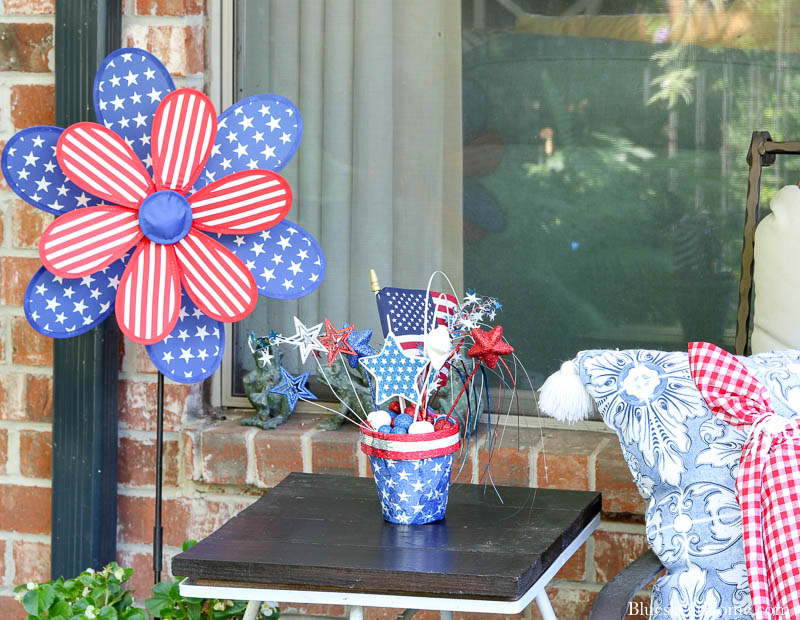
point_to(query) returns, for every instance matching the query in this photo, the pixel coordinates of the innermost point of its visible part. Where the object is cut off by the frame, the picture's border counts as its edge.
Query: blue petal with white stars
(31, 170)
(413, 492)
(193, 349)
(285, 260)
(67, 307)
(128, 87)
(262, 131)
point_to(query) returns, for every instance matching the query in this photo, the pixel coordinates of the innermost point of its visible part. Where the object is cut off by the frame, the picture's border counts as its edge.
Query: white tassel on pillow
(564, 397)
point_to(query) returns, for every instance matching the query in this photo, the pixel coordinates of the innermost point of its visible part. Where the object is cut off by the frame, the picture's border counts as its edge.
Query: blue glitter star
(395, 372)
(294, 388)
(359, 342)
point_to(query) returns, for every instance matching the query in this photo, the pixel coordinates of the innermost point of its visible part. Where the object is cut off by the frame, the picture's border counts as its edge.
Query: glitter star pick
(335, 341)
(395, 372)
(305, 338)
(489, 346)
(294, 388)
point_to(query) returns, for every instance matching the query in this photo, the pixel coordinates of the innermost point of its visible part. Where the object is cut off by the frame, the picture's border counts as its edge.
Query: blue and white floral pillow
(684, 462)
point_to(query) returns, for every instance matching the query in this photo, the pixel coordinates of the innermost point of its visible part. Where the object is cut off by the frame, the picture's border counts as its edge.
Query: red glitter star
(335, 342)
(489, 346)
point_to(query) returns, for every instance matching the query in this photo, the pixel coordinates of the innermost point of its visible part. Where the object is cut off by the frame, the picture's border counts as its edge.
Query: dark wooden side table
(317, 538)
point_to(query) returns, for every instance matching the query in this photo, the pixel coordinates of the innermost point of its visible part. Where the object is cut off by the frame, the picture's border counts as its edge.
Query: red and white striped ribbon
(403, 447)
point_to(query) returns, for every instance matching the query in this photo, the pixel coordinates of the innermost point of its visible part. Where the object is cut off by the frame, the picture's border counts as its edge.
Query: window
(583, 162)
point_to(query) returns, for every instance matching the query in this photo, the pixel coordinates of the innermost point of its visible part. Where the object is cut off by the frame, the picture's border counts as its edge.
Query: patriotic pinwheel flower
(166, 213)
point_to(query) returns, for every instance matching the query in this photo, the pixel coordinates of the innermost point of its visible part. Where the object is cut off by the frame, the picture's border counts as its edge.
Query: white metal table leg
(356, 612)
(544, 606)
(446, 615)
(251, 613)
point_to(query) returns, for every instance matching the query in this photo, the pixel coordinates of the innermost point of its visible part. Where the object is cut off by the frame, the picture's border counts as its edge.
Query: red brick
(183, 519)
(567, 603)
(462, 467)
(279, 451)
(613, 551)
(30, 7)
(137, 404)
(136, 516)
(564, 464)
(3, 184)
(26, 47)
(191, 441)
(613, 478)
(28, 225)
(170, 7)
(33, 105)
(575, 567)
(38, 398)
(11, 385)
(15, 273)
(36, 454)
(224, 455)
(28, 346)
(307, 609)
(31, 561)
(3, 455)
(334, 452)
(143, 362)
(11, 609)
(3, 326)
(142, 564)
(479, 616)
(137, 462)
(386, 613)
(508, 465)
(180, 48)
(25, 509)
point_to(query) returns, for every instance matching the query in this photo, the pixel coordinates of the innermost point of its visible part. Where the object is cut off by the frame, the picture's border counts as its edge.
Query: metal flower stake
(170, 217)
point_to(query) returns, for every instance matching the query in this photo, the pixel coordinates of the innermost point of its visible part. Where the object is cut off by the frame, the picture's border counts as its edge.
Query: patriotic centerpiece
(167, 215)
(434, 346)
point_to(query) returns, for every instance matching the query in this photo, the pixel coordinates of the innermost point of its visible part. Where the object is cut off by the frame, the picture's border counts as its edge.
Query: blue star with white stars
(395, 372)
(359, 342)
(294, 388)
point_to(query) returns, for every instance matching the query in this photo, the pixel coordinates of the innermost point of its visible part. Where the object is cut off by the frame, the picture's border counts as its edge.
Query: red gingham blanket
(768, 481)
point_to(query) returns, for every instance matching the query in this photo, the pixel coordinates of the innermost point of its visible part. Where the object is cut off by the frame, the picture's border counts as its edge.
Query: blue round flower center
(165, 217)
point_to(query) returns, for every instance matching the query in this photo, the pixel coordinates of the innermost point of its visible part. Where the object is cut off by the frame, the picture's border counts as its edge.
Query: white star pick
(306, 338)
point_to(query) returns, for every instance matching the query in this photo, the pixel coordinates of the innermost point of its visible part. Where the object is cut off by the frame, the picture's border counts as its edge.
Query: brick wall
(213, 467)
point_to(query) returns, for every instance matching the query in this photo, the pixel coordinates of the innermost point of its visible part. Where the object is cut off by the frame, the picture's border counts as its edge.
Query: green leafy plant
(168, 603)
(101, 595)
(92, 595)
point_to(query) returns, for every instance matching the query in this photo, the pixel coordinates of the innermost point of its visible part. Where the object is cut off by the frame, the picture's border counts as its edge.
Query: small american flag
(402, 311)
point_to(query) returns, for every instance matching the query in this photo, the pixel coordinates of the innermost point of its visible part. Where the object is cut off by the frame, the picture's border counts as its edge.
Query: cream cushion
(776, 275)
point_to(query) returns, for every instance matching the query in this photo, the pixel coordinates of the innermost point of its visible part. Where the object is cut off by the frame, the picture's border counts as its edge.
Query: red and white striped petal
(216, 280)
(244, 202)
(149, 294)
(99, 161)
(83, 241)
(184, 130)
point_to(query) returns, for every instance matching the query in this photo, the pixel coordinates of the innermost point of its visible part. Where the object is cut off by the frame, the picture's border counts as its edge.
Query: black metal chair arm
(613, 600)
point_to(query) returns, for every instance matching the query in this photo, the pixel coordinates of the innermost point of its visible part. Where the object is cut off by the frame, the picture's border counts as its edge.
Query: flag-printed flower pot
(412, 472)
